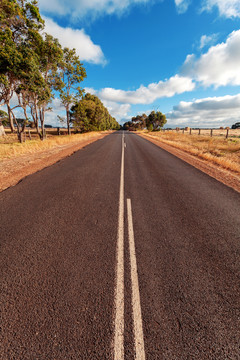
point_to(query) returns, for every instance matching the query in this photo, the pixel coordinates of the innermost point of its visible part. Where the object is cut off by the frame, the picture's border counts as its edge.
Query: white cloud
(207, 40)
(182, 5)
(220, 66)
(119, 101)
(146, 95)
(94, 8)
(208, 112)
(74, 38)
(117, 110)
(228, 8)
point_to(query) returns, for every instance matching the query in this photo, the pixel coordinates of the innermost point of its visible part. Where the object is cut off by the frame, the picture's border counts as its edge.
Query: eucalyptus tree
(50, 56)
(71, 75)
(18, 19)
(156, 120)
(89, 114)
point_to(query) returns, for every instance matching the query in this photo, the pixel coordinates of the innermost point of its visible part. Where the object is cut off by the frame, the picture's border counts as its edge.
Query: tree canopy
(89, 114)
(153, 122)
(34, 68)
(71, 74)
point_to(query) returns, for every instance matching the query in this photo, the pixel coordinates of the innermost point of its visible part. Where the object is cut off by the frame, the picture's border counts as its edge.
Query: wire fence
(227, 132)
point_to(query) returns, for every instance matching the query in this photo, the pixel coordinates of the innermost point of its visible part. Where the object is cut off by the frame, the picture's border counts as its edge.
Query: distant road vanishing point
(120, 251)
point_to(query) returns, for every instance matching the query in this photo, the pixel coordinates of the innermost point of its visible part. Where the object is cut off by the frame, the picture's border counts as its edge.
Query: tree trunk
(68, 121)
(10, 117)
(2, 131)
(34, 113)
(43, 131)
(19, 134)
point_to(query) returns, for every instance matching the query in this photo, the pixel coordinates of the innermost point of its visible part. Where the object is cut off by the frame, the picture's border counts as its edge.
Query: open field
(10, 147)
(217, 149)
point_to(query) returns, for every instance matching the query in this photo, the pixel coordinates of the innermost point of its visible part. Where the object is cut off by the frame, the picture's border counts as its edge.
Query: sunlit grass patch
(10, 147)
(219, 150)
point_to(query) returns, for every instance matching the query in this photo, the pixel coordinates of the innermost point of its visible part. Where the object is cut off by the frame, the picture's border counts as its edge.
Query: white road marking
(119, 290)
(136, 305)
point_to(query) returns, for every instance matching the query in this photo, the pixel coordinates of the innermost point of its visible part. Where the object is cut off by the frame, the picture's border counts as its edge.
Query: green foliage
(89, 114)
(150, 127)
(20, 20)
(153, 122)
(4, 118)
(156, 119)
(33, 66)
(70, 76)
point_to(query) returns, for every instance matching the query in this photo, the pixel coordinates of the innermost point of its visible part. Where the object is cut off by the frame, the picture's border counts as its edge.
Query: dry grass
(9, 147)
(218, 150)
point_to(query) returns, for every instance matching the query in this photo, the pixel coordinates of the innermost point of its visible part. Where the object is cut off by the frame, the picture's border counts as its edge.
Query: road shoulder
(15, 169)
(226, 177)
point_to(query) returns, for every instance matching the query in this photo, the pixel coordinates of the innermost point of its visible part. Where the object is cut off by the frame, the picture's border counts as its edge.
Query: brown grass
(218, 150)
(9, 147)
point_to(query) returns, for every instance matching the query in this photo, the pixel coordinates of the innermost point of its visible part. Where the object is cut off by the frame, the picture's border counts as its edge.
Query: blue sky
(181, 57)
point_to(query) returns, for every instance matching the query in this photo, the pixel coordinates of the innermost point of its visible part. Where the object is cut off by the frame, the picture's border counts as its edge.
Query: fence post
(183, 131)
(29, 134)
(199, 131)
(227, 133)
(211, 132)
(58, 130)
(190, 131)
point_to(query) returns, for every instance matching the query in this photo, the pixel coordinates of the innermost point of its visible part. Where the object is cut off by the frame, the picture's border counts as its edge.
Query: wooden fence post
(199, 131)
(190, 131)
(58, 130)
(211, 132)
(227, 133)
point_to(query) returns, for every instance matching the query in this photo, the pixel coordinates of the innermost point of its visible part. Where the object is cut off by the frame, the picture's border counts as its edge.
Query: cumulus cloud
(94, 8)
(207, 40)
(116, 109)
(182, 5)
(119, 101)
(74, 38)
(208, 112)
(119, 111)
(146, 95)
(220, 66)
(228, 8)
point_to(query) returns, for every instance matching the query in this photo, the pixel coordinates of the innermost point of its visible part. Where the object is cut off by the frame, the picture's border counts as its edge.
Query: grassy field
(217, 149)
(10, 147)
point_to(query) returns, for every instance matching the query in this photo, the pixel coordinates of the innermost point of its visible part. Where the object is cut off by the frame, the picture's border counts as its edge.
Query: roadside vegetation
(152, 122)
(34, 68)
(218, 150)
(10, 147)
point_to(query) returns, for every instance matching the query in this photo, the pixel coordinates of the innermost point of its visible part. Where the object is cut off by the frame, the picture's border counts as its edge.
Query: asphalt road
(120, 251)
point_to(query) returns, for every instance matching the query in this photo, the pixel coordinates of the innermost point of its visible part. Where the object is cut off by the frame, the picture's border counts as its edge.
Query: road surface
(120, 251)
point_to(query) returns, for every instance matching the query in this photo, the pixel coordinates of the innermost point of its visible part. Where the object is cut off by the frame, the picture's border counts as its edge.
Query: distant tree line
(34, 67)
(153, 122)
